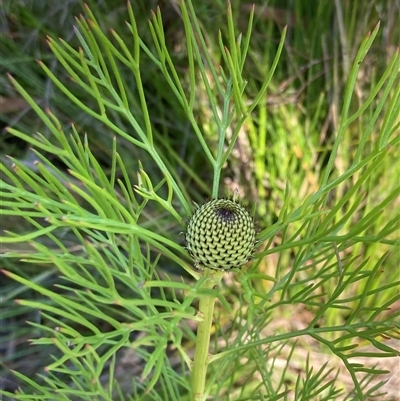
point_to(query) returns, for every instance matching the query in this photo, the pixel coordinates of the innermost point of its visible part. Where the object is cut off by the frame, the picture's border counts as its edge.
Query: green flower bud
(221, 235)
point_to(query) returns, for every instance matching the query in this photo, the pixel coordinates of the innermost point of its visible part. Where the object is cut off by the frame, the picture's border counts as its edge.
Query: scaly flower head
(221, 235)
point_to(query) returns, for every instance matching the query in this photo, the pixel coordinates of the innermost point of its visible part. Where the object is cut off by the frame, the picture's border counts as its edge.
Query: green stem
(223, 126)
(200, 363)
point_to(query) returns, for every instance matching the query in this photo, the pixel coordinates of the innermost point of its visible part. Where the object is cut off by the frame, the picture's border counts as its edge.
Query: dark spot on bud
(225, 214)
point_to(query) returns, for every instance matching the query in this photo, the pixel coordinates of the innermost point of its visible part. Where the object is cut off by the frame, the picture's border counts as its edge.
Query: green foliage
(91, 252)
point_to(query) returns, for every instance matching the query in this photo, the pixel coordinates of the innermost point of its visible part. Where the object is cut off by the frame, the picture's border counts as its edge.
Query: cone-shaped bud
(221, 235)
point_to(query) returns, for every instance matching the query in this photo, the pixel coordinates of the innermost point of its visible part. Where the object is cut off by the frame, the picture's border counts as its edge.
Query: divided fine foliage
(92, 255)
